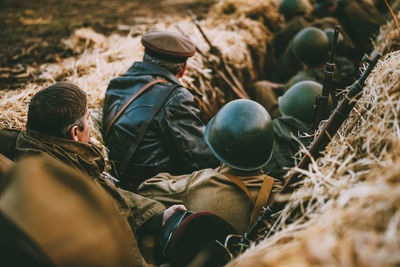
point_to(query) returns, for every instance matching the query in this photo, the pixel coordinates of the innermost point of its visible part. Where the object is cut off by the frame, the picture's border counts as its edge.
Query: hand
(171, 210)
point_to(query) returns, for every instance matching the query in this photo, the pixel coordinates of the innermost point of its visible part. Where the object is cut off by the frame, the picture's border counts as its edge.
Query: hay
(347, 211)
(243, 42)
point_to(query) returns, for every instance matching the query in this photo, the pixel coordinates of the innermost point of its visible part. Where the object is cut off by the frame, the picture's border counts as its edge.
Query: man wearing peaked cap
(151, 123)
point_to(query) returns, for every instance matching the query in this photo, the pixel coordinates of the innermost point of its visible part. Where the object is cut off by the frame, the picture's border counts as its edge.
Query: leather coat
(173, 142)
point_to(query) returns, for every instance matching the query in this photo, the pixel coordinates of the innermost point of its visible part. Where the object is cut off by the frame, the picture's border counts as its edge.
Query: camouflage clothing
(286, 131)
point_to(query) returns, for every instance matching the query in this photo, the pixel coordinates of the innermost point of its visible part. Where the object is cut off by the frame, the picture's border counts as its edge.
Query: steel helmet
(241, 135)
(299, 100)
(293, 7)
(311, 46)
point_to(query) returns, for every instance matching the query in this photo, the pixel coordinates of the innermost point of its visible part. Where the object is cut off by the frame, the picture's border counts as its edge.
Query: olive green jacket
(208, 190)
(87, 157)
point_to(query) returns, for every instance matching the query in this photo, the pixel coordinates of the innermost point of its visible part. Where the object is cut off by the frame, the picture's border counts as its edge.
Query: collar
(145, 68)
(83, 156)
(226, 169)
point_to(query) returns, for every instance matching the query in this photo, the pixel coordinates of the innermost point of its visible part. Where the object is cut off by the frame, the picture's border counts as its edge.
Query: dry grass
(347, 212)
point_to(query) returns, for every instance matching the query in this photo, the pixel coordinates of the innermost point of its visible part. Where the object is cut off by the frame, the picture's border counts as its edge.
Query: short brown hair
(56, 109)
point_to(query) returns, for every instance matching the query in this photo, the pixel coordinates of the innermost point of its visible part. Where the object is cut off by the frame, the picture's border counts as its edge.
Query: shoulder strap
(242, 186)
(130, 100)
(162, 97)
(263, 196)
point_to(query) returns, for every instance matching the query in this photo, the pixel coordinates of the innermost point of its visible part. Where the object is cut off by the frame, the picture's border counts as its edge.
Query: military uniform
(289, 134)
(8, 137)
(287, 63)
(53, 215)
(265, 95)
(343, 76)
(5, 164)
(359, 20)
(240, 135)
(209, 190)
(173, 141)
(138, 211)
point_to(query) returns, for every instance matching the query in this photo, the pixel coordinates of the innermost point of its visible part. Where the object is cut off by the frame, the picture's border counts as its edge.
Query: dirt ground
(32, 30)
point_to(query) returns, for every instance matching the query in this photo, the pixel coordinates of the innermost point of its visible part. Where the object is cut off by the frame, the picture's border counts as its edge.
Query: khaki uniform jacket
(208, 190)
(136, 209)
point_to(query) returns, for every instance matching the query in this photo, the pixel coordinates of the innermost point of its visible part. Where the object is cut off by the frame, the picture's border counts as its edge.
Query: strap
(162, 97)
(262, 197)
(242, 186)
(130, 100)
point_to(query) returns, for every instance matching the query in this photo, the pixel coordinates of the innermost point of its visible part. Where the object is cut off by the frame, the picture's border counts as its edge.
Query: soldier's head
(168, 50)
(292, 8)
(298, 102)
(241, 135)
(61, 111)
(311, 47)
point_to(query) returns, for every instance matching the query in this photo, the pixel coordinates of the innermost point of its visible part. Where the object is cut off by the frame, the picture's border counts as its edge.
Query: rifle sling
(130, 100)
(263, 195)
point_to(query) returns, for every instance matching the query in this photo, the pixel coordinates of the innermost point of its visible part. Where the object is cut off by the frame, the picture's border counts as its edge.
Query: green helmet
(311, 46)
(241, 135)
(299, 100)
(293, 7)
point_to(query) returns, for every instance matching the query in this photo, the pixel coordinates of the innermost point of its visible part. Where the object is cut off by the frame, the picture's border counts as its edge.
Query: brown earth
(32, 30)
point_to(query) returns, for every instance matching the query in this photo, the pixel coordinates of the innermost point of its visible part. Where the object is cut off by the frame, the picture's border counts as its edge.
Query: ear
(74, 133)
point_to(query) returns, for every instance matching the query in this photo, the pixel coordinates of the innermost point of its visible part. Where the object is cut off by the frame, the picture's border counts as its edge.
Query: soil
(32, 30)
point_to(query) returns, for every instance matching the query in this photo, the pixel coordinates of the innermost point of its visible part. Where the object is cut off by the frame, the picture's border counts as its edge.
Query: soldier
(161, 130)
(293, 129)
(297, 18)
(58, 126)
(311, 47)
(359, 20)
(53, 215)
(294, 12)
(240, 136)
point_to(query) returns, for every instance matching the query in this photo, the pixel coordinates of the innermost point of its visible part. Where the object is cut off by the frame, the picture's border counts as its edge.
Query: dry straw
(242, 40)
(347, 211)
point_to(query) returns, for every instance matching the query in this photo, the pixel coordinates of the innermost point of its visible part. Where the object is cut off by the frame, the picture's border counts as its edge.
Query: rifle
(321, 101)
(235, 244)
(229, 77)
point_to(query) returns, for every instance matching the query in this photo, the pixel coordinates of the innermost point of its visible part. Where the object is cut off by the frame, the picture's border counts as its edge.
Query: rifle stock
(321, 102)
(337, 118)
